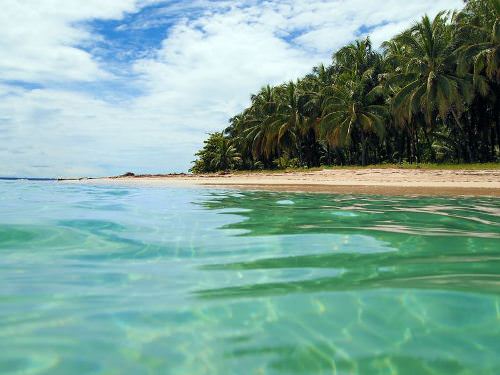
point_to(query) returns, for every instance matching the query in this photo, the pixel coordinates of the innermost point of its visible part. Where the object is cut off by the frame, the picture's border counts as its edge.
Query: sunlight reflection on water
(133, 280)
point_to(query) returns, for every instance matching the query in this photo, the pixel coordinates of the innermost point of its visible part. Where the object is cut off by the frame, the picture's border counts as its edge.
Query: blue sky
(103, 87)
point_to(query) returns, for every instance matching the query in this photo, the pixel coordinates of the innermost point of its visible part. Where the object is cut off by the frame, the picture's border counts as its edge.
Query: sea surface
(145, 280)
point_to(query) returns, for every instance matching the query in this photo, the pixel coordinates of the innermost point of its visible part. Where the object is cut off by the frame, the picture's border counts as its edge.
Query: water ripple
(125, 280)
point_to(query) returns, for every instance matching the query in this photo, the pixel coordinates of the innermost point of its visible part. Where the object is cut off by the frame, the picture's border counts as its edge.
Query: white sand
(376, 181)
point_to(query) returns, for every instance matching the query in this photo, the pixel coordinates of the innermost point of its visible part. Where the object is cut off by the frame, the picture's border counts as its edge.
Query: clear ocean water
(143, 280)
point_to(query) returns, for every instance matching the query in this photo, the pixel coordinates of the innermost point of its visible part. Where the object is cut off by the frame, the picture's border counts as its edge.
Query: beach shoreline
(391, 181)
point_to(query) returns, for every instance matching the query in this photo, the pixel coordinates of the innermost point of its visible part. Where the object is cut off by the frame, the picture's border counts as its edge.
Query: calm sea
(144, 280)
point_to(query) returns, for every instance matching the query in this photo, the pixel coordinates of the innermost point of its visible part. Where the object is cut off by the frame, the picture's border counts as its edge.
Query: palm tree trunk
(496, 113)
(417, 145)
(492, 143)
(429, 144)
(465, 135)
(409, 148)
(414, 144)
(363, 148)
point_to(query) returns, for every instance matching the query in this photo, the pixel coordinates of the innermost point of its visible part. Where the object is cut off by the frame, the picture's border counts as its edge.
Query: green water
(131, 280)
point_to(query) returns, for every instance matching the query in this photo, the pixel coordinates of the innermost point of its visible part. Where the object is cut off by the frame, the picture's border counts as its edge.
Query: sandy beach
(369, 181)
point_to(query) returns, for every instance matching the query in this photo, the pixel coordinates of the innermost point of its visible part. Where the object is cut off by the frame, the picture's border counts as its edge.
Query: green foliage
(217, 154)
(284, 162)
(430, 95)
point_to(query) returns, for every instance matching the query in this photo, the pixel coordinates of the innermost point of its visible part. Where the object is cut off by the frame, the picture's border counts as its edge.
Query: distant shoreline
(390, 181)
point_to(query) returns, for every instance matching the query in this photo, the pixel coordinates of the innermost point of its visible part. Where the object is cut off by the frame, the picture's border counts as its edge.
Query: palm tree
(479, 34)
(436, 82)
(226, 156)
(428, 84)
(345, 113)
(311, 102)
(478, 52)
(285, 122)
(255, 123)
(217, 154)
(349, 105)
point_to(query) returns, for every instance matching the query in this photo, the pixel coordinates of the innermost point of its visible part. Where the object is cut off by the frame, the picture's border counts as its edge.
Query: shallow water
(131, 280)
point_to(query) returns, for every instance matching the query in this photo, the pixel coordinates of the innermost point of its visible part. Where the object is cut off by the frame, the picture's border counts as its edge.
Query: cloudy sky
(101, 87)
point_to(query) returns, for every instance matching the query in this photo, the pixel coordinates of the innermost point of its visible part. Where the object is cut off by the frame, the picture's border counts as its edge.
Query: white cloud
(203, 72)
(71, 134)
(40, 38)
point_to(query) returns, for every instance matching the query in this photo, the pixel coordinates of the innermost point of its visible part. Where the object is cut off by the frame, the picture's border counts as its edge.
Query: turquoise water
(131, 280)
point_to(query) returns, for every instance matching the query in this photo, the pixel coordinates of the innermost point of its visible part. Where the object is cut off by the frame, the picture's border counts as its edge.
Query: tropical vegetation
(428, 95)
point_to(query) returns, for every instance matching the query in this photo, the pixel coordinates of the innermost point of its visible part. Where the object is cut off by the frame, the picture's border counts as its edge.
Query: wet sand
(362, 181)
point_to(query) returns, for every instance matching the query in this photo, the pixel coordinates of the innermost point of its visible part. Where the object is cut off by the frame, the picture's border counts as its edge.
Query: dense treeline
(430, 94)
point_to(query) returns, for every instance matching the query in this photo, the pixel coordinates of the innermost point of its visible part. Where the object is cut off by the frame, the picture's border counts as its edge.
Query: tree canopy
(430, 94)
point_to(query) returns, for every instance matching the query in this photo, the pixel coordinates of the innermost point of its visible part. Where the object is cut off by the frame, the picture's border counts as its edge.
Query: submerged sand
(369, 181)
